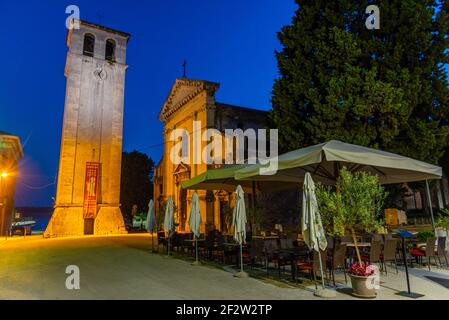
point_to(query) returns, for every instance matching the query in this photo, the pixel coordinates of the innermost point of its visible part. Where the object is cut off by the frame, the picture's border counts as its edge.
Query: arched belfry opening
(110, 50)
(89, 45)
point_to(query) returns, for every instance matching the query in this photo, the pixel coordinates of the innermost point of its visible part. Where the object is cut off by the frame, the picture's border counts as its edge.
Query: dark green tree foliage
(136, 185)
(444, 162)
(383, 88)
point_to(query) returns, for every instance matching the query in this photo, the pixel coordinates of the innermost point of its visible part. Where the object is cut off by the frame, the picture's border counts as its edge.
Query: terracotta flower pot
(363, 287)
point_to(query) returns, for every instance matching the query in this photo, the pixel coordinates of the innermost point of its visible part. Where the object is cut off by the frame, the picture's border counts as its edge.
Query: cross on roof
(184, 65)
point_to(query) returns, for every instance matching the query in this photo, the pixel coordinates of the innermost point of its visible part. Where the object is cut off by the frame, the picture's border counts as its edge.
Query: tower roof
(4, 133)
(106, 29)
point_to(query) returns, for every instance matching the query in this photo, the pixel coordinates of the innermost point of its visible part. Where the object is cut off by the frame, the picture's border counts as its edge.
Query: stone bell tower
(88, 191)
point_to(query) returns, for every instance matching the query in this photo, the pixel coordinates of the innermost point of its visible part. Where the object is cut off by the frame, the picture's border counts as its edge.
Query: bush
(424, 235)
(443, 219)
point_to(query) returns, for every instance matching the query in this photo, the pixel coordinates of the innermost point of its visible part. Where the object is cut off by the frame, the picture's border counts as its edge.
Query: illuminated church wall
(188, 101)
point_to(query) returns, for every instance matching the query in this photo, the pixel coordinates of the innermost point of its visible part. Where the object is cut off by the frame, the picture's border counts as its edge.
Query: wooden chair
(338, 261)
(220, 250)
(274, 255)
(374, 253)
(176, 242)
(313, 266)
(161, 240)
(378, 237)
(441, 250)
(257, 252)
(389, 254)
(429, 252)
(286, 244)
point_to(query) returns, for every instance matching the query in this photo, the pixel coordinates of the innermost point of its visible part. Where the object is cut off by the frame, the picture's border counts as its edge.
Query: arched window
(89, 45)
(110, 50)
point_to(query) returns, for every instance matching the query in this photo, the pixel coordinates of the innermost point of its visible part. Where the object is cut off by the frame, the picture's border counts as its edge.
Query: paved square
(122, 267)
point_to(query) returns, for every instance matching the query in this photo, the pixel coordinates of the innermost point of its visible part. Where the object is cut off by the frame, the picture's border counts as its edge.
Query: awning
(224, 179)
(214, 179)
(325, 160)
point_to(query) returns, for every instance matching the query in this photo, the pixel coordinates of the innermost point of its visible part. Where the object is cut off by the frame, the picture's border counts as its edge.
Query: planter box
(364, 287)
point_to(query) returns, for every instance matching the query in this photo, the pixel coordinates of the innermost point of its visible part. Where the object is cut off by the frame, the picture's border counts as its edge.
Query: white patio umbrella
(150, 223)
(239, 223)
(312, 228)
(169, 222)
(195, 223)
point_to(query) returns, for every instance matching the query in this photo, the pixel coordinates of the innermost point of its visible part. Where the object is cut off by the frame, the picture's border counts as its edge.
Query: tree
(136, 184)
(444, 162)
(354, 206)
(383, 88)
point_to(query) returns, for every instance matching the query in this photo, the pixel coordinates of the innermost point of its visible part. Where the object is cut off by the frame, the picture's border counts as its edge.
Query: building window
(89, 45)
(110, 50)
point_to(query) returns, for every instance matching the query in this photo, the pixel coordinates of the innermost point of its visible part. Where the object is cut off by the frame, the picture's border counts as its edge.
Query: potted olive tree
(354, 206)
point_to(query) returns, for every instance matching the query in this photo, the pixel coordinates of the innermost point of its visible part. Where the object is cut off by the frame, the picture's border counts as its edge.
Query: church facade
(193, 101)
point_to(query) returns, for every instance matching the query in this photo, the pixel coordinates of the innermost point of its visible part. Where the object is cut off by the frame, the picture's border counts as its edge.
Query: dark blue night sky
(231, 42)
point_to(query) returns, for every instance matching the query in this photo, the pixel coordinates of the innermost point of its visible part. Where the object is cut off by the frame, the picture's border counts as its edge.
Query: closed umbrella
(239, 223)
(150, 223)
(195, 223)
(169, 221)
(312, 228)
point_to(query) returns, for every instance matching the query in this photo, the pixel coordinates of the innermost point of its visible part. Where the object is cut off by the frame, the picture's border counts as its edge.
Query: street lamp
(3, 175)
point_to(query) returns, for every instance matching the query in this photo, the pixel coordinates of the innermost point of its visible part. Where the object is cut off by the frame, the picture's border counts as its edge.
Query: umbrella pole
(241, 257)
(196, 262)
(323, 292)
(152, 241)
(241, 273)
(430, 205)
(196, 249)
(168, 247)
(321, 268)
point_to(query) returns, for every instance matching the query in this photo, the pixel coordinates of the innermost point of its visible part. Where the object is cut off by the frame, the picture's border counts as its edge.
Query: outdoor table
(351, 246)
(266, 237)
(192, 242)
(359, 244)
(232, 244)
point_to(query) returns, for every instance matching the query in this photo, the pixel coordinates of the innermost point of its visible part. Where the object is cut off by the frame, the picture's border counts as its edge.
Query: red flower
(363, 270)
